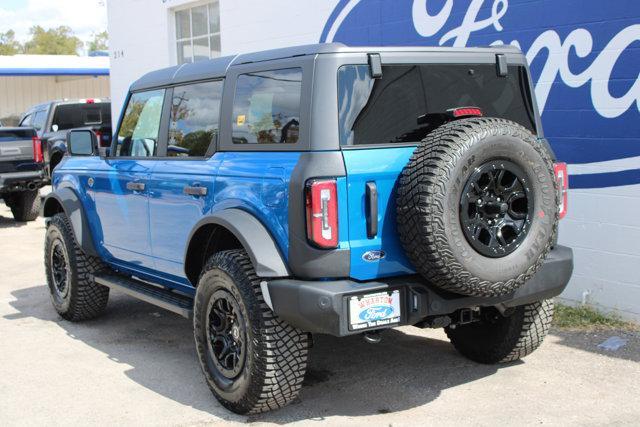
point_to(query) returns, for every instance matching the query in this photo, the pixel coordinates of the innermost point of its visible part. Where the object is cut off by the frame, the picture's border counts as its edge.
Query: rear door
(382, 121)
(182, 183)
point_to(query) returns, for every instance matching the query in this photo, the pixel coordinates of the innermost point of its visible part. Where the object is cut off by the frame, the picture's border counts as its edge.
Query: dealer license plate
(374, 310)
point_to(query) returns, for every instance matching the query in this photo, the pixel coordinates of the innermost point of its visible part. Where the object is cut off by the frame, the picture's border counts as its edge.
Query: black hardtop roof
(218, 67)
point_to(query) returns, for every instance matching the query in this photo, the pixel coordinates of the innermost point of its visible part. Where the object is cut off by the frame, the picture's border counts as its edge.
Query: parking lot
(137, 366)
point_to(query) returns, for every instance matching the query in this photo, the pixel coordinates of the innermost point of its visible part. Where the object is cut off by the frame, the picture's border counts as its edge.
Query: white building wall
(602, 225)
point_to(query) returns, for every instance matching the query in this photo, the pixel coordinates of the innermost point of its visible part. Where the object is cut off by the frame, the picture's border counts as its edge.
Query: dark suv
(318, 190)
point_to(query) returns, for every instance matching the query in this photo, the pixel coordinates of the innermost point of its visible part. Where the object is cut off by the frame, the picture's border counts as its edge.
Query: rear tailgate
(381, 122)
(16, 150)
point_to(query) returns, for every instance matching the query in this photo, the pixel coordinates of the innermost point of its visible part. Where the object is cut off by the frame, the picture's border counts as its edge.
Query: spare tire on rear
(477, 206)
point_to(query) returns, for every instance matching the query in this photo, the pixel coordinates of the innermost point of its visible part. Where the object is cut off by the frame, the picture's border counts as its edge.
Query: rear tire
(498, 339)
(74, 293)
(252, 361)
(25, 205)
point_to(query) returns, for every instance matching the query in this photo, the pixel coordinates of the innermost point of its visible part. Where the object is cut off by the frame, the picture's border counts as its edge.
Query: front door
(121, 186)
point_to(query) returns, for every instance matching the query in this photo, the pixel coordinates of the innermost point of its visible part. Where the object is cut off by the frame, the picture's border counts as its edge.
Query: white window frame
(208, 36)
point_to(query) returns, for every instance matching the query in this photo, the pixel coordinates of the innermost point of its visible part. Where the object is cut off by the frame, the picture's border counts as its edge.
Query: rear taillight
(560, 171)
(37, 149)
(321, 199)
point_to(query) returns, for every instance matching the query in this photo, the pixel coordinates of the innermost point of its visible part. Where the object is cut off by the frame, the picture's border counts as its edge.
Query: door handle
(135, 186)
(195, 190)
(372, 209)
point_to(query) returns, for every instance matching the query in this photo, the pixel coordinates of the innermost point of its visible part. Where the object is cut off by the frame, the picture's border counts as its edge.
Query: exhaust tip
(372, 337)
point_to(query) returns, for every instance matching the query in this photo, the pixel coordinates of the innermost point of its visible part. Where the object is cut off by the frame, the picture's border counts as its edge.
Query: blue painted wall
(584, 57)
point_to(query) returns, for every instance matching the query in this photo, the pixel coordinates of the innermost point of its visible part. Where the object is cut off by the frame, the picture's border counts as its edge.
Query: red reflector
(467, 111)
(90, 101)
(37, 149)
(560, 171)
(321, 200)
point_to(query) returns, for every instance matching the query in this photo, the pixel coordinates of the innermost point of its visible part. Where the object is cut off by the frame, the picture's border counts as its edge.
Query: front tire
(252, 361)
(70, 271)
(498, 339)
(25, 205)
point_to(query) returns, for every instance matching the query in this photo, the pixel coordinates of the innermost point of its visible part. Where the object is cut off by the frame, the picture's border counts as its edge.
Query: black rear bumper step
(172, 301)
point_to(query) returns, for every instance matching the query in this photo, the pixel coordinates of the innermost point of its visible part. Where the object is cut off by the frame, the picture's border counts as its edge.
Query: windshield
(398, 107)
(70, 116)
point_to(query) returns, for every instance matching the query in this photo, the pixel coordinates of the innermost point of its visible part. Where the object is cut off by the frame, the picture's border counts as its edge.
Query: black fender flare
(254, 237)
(74, 210)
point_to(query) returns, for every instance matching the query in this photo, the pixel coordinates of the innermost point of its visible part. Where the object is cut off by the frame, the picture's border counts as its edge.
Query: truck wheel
(25, 205)
(69, 271)
(499, 339)
(477, 206)
(252, 361)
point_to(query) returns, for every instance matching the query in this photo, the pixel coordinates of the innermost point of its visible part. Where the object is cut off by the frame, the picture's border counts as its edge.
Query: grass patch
(585, 317)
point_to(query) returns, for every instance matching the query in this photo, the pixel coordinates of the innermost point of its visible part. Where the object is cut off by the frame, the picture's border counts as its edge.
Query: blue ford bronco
(319, 189)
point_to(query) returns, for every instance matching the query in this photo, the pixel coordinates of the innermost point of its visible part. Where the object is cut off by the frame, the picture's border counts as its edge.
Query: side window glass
(138, 135)
(26, 121)
(39, 119)
(266, 107)
(195, 112)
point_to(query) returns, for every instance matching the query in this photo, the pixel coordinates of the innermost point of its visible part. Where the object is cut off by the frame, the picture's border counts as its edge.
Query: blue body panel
(145, 233)
(381, 166)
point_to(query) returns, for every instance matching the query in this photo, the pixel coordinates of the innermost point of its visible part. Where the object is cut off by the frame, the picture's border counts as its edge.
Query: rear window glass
(387, 110)
(69, 116)
(266, 107)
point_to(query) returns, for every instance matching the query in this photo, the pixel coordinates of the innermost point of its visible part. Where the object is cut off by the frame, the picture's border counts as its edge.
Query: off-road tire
(498, 339)
(25, 205)
(428, 206)
(84, 299)
(276, 353)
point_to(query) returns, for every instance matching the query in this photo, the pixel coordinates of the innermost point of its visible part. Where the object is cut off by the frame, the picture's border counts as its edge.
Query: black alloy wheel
(60, 268)
(496, 208)
(227, 334)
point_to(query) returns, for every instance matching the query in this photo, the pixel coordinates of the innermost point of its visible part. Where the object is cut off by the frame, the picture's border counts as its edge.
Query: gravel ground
(136, 365)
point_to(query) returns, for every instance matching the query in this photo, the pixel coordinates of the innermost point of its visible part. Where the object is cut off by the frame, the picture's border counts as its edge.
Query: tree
(100, 42)
(54, 41)
(8, 44)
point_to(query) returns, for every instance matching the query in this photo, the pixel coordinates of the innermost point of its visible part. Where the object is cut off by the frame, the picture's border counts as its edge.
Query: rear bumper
(322, 306)
(19, 181)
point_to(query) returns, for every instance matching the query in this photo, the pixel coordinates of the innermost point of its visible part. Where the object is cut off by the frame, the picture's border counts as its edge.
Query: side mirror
(81, 143)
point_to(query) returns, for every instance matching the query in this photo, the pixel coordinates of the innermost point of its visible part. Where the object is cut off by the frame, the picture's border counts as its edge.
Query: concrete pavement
(136, 365)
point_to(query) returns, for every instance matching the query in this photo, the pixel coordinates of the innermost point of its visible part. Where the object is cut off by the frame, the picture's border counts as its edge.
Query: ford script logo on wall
(583, 57)
(371, 256)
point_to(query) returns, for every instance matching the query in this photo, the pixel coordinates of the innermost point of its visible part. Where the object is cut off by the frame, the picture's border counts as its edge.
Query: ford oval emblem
(376, 312)
(371, 256)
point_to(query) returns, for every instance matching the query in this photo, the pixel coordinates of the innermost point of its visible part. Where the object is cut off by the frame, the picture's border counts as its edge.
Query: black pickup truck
(21, 171)
(52, 120)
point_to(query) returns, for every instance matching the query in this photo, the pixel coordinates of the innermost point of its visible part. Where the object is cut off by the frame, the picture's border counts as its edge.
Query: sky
(85, 17)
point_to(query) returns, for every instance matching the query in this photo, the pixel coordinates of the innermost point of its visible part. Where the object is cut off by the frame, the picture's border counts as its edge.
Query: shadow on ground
(346, 376)
(589, 341)
(9, 222)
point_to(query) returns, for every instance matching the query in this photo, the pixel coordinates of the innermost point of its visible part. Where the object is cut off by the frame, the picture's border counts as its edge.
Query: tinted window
(195, 112)
(69, 116)
(39, 118)
(266, 107)
(138, 135)
(386, 110)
